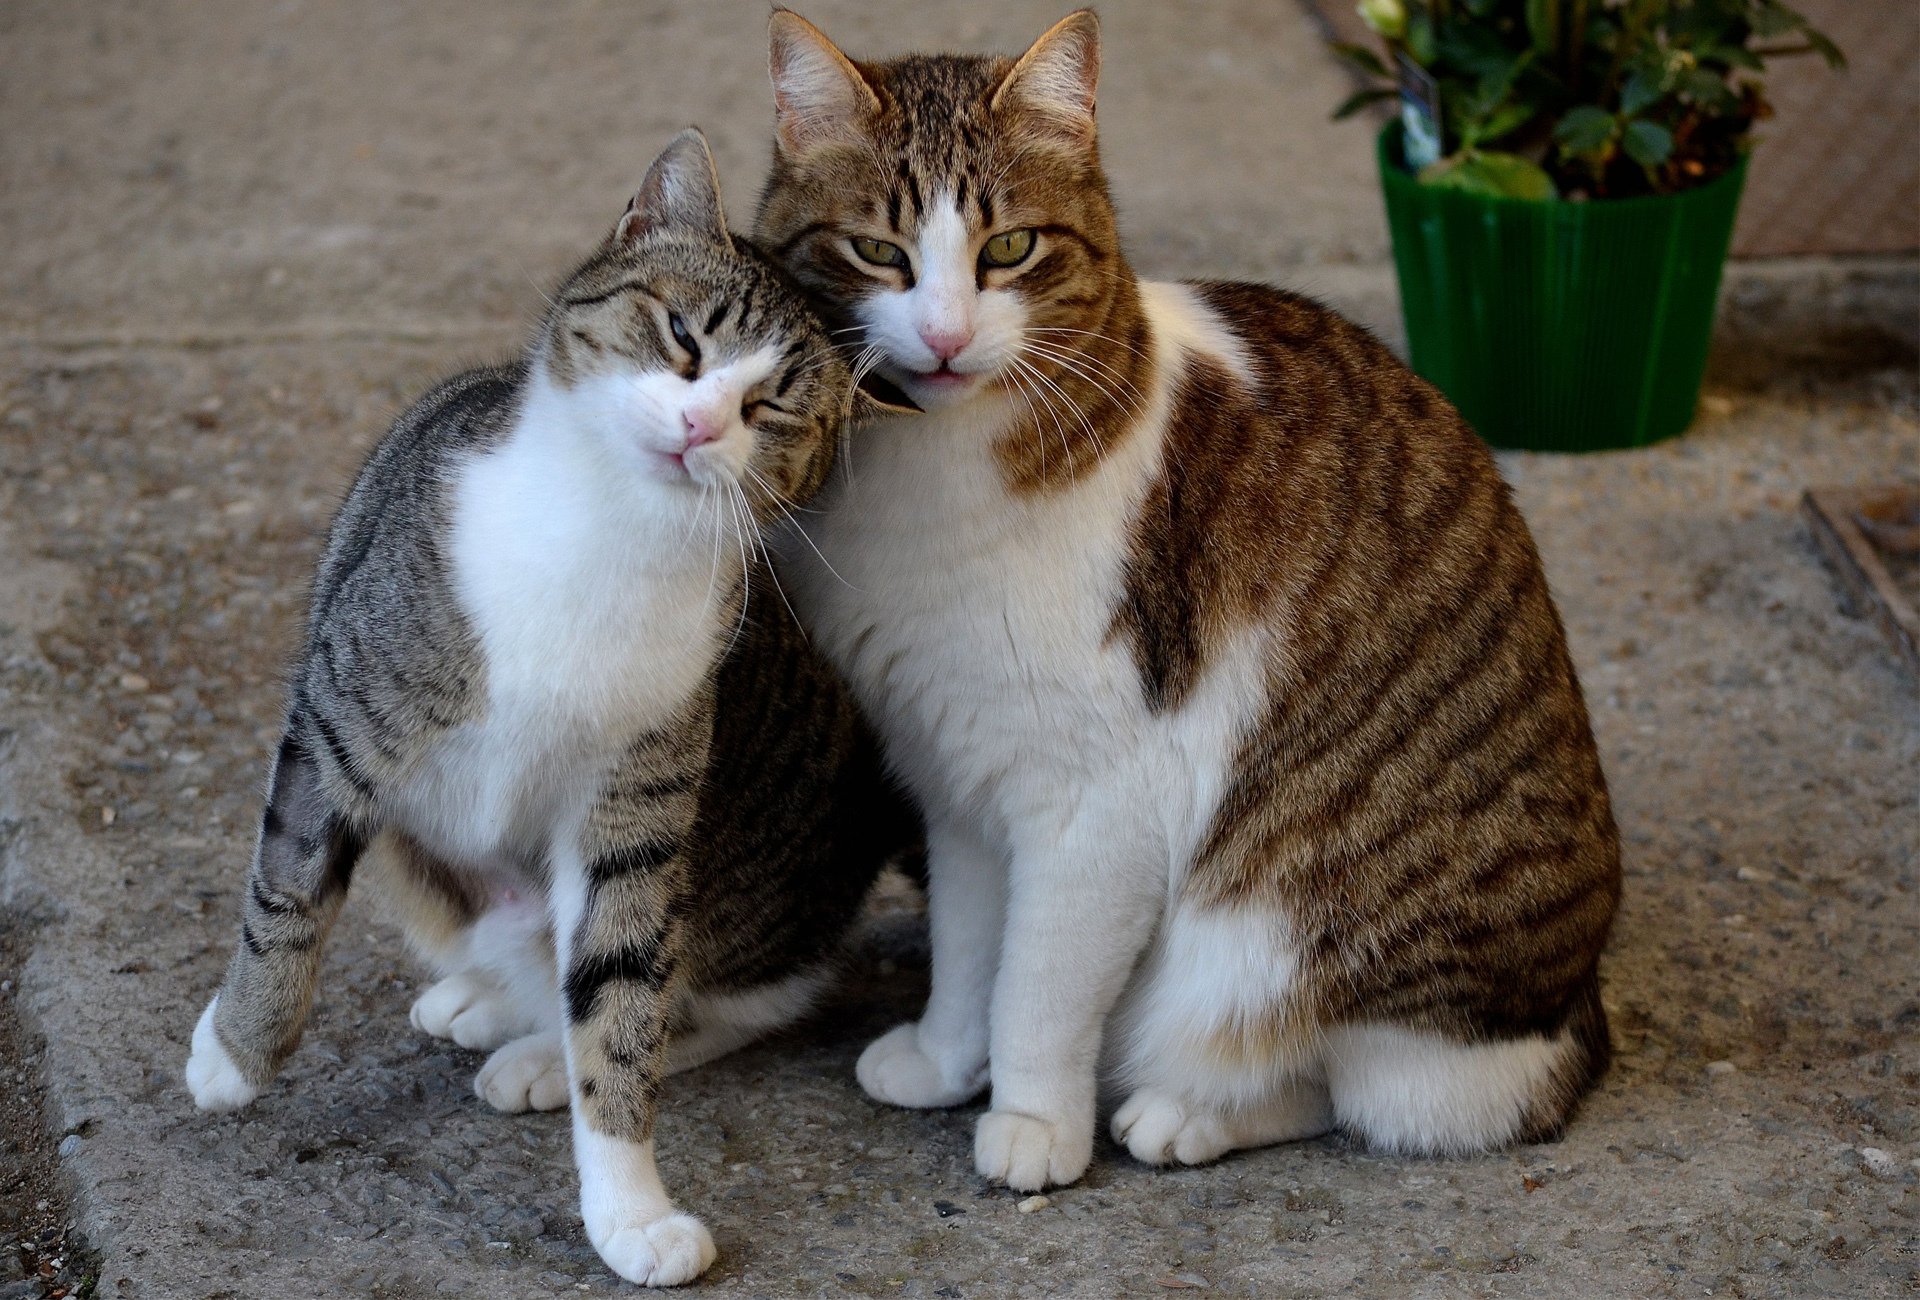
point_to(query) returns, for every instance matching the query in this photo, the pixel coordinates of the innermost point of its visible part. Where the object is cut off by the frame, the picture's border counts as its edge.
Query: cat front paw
(665, 1252)
(470, 1011)
(894, 1069)
(529, 1073)
(1028, 1153)
(1158, 1129)
(212, 1076)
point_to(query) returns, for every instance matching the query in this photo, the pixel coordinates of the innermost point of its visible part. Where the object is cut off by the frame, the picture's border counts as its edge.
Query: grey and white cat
(548, 686)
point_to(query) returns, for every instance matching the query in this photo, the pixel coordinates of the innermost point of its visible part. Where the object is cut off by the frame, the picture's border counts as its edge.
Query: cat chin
(937, 394)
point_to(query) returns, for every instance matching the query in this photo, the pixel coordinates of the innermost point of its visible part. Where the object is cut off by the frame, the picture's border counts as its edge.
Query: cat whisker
(1019, 386)
(1081, 354)
(759, 543)
(742, 531)
(1073, 407)
(1092, 334)
(1047, 400)
(1071, 362)
(787, 508)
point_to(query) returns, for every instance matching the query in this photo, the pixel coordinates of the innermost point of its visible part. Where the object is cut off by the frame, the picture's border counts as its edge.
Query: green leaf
(1774, 19)
(1826, 48)
(1360, 99)
(1586, 129)
(1496, 175)
(1707, 89)
(1644, 87)
(1543, 24)
(1735, 56)
(1647, 143)
(1420, 40)
(1360, 57)
(1503, 122)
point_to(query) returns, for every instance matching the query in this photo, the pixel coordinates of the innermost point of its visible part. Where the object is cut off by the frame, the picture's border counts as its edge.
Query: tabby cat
(1257, 777)
(547, 674)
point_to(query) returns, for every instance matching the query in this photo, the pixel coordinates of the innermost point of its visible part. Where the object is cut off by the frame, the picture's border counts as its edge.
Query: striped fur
(1255, 766)
(549, 682)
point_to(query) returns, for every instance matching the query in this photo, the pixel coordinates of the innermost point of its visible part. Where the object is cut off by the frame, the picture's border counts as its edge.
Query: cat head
(690, 360)
(951, 207)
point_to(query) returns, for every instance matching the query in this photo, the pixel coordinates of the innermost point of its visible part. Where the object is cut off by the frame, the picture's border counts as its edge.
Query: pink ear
(819, 96)
(1056, 78)
(681, 192)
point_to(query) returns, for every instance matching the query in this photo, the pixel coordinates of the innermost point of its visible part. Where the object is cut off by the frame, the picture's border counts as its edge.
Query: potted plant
(1561, 188)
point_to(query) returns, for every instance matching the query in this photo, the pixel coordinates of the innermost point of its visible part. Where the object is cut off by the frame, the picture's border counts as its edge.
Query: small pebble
(134, 682)
(70, 1146)
(106, 816)
(1721, 1067)
(1751, 876)
(1878, 1162)
(1033, 1203)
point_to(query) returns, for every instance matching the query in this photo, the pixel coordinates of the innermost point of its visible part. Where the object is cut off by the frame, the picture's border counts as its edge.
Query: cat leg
(528, 1073)
(616, 920)
(1080, 909)
(941, 1060)
(298, 881)
(1160, 1127)
(502, 985)
(433, 903)
(1422, 1093)
(1203, 1041)
(719, 1023)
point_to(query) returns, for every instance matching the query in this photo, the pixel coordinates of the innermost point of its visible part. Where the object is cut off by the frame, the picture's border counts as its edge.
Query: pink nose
(702, 427)
(946, 343)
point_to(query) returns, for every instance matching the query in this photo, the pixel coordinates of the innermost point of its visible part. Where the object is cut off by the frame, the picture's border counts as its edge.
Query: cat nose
(946, 342)
(702, 426)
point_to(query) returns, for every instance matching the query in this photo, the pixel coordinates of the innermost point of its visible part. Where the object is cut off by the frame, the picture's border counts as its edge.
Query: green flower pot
(1559, 326)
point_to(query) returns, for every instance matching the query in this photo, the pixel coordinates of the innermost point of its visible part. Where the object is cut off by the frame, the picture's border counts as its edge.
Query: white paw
(529, 1073)
(1159, 1130)
(666, 1252)
(214, 1080)
(1028, 1153)
(471, 1011)
(895, 1070)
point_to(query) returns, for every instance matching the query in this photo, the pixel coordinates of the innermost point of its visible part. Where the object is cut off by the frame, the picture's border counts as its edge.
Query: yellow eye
(879, 252)
(1008, 248)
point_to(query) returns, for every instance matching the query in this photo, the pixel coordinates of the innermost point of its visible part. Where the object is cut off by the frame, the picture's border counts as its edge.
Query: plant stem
(1574, 35)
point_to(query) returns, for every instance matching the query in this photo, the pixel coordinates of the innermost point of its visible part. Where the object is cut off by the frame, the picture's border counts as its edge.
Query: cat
(1258, 782)
(548, 674)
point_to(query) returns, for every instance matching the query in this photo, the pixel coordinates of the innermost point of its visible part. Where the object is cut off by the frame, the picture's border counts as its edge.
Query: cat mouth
(946, 378)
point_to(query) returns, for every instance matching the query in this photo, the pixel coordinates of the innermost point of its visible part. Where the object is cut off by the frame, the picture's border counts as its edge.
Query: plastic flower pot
(1560, 326)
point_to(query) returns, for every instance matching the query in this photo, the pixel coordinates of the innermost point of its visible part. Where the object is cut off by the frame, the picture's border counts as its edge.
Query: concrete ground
(234, 239)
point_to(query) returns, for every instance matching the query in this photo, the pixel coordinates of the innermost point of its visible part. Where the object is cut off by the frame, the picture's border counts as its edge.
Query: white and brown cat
(1258, 779)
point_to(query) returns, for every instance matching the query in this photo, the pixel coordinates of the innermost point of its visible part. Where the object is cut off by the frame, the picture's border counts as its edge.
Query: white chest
(975, 626)
(586, 641)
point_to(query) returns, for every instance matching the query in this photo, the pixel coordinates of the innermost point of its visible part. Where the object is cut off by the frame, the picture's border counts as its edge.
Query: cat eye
(683, 336)
(1008, 248)
(750, 409)
(879, 252)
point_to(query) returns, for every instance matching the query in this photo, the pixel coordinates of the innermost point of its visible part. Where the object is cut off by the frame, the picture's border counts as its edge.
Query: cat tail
(1588, 1053)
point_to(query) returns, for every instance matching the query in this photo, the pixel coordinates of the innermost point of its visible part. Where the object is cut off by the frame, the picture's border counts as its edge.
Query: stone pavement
(238, 237)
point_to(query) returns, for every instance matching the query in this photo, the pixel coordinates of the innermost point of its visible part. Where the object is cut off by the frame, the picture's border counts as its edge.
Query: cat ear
(819, 96)
(875, 398)
(681, 192)
(1054, 80)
